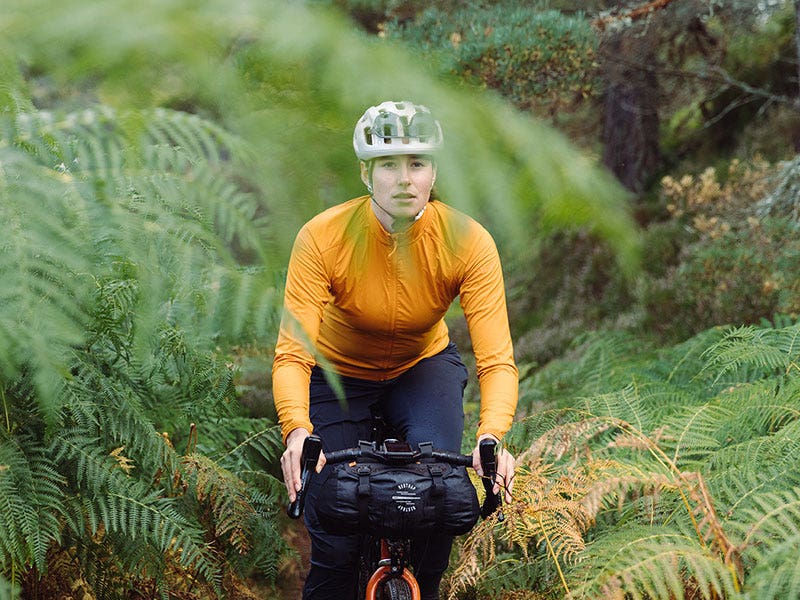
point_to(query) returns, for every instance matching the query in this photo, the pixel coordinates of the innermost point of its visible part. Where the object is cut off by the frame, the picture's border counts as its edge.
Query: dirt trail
(292, 577)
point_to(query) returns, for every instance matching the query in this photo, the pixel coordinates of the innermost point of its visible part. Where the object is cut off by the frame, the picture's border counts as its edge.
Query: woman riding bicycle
(368, 285)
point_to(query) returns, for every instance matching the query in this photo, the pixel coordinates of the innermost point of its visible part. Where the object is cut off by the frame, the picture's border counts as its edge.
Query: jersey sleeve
(306, 293)
(483, 300)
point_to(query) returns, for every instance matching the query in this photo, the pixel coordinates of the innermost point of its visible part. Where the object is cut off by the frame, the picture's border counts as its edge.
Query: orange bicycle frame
(384, 572)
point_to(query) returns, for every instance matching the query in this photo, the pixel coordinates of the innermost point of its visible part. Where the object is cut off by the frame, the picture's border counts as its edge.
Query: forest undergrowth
(145, 189)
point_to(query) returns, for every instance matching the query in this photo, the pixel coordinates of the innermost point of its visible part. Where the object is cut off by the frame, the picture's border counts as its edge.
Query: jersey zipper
(393, 284)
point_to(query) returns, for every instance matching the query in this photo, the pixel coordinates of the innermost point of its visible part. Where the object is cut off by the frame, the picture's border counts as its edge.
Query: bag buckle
(363, 472)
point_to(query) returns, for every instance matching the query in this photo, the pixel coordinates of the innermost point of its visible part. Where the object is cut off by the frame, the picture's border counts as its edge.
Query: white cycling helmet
(396, 128)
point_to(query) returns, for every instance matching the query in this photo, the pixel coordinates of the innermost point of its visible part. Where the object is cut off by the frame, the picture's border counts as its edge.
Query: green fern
(764, 351)
(140, 240)
(702, 500)
(650, 563)
(771, 532)
(31, 501)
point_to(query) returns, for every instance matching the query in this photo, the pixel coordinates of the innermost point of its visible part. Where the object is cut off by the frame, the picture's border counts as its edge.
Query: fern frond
(771, 532)
(31, 502)
(506, 578)
(44, 297)
(761, 407)
(118, 504)
(775, 576)
(225, 494)
(685, 363)
(650, 563)
(773, 517)
(234, 517)
(605, 361)
(623, 404)
(548, 511)
(261, 438)
(643, 403)
(568, 439)
(534, 426)
(768, 351)
(762, 465)
(691, 435)
(90, 465)
(547, 518)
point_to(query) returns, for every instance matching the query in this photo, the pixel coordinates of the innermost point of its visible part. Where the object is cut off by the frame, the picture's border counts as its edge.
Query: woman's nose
(404, 174)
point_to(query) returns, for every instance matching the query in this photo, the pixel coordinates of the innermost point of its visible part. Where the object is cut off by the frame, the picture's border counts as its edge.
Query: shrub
(739, 264)
(534, 58)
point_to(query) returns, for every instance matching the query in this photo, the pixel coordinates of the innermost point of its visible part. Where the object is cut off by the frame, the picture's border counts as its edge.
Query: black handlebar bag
(397, 501)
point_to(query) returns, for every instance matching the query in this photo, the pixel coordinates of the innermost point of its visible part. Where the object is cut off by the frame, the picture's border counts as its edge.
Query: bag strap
(437, 492)
(362, 495)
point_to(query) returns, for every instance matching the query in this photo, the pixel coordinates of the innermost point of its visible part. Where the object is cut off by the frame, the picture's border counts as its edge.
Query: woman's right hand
(290, 461)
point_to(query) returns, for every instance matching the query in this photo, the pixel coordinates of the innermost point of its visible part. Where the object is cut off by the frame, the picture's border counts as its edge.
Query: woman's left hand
(505, 467)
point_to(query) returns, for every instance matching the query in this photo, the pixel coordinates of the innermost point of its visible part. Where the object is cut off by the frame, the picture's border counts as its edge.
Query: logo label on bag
(406, 497)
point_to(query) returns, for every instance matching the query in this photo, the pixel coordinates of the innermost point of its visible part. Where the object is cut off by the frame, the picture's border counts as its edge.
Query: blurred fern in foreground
(123, 229)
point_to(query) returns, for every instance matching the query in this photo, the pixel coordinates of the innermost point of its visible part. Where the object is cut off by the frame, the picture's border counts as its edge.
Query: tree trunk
(630, 121)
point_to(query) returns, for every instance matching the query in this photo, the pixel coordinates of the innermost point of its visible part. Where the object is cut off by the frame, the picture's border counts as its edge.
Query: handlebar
(398, 453)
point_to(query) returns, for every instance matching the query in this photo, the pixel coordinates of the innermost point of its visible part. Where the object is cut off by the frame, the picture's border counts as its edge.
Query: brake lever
(312, 446)
(492, 502)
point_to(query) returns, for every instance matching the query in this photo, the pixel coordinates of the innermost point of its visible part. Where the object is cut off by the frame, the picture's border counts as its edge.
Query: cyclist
(368, 285)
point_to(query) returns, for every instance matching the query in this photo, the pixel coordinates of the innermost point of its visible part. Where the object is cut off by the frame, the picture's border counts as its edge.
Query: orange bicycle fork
(385, 571)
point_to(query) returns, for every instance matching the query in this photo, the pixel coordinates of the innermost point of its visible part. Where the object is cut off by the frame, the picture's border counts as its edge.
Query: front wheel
(397, 589)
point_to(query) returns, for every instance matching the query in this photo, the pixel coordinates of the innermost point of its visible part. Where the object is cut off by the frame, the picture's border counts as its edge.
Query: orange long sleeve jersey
(372, 304)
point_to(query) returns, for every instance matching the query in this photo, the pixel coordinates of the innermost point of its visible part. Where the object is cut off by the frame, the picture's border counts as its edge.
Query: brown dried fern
(546, 510)
(225, 494)
(561, 486)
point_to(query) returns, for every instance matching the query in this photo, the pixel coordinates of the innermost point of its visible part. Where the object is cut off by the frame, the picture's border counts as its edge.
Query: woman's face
(401, 187)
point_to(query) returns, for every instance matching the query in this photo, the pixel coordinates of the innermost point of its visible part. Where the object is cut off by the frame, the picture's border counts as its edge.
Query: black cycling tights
(424, 404)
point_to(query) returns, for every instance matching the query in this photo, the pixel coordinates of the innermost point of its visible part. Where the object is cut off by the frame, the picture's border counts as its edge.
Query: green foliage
(7, 591)
(156, 159)
(331, 74)
(532, 57)
(733, 96)
(108, 482)
(155, 196)
(738, 254)
(765, 40)
(31, 495)
(648, 562)
(681, 465)
(132, 235)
